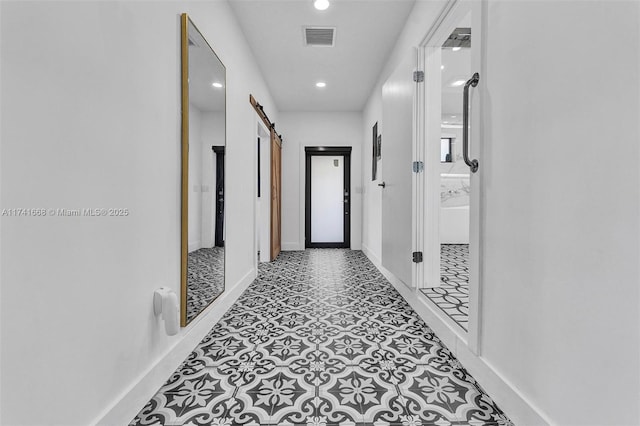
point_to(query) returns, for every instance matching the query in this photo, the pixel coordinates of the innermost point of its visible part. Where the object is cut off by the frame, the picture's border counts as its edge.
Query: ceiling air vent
(319, 36)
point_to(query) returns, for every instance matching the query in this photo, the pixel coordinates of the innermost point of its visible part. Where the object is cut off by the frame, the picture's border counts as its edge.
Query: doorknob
(382, 184)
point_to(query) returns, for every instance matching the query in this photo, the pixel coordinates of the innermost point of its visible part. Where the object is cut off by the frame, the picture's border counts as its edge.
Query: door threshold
(444, 319)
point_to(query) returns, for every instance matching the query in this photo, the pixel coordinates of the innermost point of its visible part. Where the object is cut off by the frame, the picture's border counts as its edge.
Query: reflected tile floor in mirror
(205, 278)
(452, 297)
(321, 338)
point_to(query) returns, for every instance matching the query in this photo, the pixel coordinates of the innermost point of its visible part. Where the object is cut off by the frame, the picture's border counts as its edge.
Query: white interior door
(327, 205)
(397, 148)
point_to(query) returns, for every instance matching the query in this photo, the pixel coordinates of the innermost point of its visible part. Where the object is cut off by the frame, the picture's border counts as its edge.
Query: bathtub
(454, 208)
(454, 225)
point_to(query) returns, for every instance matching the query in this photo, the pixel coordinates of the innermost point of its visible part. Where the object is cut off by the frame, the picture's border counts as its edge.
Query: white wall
(418, 23)
(302, 129)
(213, 129)
(560, 247)
(91, 118)
(1, 233)
(372, 193)
(560, 220)
(195, 197)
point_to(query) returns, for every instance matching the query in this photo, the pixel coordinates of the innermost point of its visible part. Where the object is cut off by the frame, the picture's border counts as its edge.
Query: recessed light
(441, 67)
(453, 116)
(455, 49)
(457, 83)
(321, 4)
(321, 84)
(217, 85)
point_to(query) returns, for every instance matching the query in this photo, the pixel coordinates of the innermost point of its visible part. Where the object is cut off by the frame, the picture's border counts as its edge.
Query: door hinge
(418, 166)
(417, 256)
(418, 76)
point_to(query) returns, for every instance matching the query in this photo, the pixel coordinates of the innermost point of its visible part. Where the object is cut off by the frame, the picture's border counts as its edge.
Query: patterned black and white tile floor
(321, 338)
(452, 297)
(205, 278)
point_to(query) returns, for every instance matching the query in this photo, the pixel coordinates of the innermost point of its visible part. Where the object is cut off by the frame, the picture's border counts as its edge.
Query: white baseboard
(372, 256)
(300, 247)
(131, 401)
(519, 409)
(194, 245)
(291, 247)
(377, 262)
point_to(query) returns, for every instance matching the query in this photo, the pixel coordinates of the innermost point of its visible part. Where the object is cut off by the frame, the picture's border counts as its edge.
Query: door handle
(382, 184)
(473, 81)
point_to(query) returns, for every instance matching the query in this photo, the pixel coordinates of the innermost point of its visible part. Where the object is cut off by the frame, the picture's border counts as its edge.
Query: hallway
(321, 338)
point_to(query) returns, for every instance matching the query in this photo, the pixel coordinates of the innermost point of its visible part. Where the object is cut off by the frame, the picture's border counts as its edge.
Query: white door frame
(429, 132)
(418, 178)
(261, 225)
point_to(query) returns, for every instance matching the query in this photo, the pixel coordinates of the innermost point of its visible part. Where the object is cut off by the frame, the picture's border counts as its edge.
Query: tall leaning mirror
(203, 149)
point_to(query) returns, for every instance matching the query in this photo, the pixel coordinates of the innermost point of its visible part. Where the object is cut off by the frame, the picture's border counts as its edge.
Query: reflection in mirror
(446, 152)
(203, 149)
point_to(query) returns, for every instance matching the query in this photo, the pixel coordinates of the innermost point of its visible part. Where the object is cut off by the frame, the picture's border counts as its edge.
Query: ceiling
(457, 67)
(366, 31)
(205, 69)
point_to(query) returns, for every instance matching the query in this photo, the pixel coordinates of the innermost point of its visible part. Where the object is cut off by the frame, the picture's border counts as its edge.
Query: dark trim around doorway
(219, 194)
(344, 151)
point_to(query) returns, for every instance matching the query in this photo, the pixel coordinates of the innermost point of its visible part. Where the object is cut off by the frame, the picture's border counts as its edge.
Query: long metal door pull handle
(473, 81)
